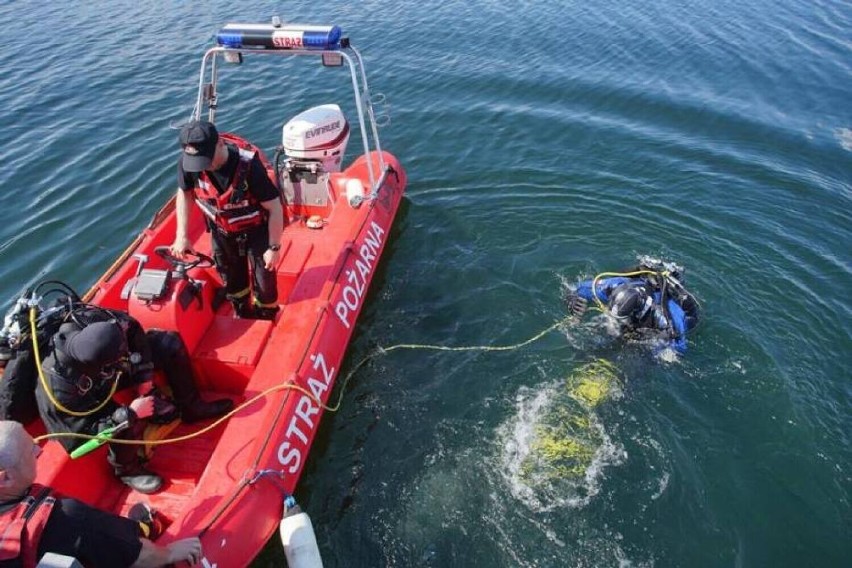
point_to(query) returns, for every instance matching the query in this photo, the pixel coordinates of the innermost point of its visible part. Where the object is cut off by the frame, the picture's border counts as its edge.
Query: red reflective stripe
(333, 144)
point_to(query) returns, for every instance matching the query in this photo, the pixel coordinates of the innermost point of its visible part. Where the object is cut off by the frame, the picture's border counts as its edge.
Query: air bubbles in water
(555, 448)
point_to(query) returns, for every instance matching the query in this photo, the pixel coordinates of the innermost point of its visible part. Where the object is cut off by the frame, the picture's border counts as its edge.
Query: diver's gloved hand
(165, 410)
(575, 304)
(579, 306)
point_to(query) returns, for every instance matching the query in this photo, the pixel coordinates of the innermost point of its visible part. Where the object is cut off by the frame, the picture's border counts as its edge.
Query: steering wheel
(180, 265)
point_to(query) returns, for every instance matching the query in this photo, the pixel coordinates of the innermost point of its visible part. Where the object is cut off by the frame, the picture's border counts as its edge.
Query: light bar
(287, 36)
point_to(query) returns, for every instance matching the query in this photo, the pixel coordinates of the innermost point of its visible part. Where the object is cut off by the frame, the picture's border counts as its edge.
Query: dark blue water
(544, 142)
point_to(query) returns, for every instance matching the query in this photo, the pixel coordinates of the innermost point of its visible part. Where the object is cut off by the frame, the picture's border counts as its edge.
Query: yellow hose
(46, 386)
(601, 307)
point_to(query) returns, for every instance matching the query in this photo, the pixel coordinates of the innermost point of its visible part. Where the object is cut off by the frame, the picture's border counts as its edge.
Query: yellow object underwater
(593, 382)
(568, 433)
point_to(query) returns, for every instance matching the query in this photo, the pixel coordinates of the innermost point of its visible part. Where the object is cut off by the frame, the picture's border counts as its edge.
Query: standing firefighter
(243, 213)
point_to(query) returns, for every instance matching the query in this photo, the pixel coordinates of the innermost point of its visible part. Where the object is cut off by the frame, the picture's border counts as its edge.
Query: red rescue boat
(227, 484)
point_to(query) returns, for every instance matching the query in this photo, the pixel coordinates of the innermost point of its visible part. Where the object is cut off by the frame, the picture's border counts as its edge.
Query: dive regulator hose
(46, 386)
(600, 305)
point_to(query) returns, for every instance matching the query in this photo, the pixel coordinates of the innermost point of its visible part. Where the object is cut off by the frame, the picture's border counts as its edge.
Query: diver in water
(647, 301)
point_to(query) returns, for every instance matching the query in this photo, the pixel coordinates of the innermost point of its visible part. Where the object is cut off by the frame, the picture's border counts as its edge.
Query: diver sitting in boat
(243, 212)
(647, 301)
(34, 520)
(91, 359)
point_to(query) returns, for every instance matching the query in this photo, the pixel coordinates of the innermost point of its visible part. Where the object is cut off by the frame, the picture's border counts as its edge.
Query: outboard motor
(314, 142)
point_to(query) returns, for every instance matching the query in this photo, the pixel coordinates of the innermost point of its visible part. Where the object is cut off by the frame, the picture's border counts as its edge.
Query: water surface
(544, 142)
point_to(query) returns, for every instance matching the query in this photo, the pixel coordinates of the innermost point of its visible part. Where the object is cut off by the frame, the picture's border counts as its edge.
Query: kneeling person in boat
(34, 520)
(243, 212)
(89, 363)
(647, 301)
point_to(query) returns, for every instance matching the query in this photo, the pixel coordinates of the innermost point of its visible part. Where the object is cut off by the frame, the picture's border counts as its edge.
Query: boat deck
(181, 465)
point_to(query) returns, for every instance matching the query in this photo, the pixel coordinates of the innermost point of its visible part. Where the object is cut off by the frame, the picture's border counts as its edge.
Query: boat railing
(277, 40)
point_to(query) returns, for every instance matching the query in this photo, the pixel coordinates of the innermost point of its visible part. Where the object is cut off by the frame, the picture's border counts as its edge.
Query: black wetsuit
(81, 390)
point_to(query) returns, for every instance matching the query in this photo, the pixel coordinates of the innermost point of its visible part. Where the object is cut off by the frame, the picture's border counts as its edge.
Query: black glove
(575, 304)
(119, 415)
(165, 410)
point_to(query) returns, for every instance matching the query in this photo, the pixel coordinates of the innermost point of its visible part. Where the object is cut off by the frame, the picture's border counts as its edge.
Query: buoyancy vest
(22, 525)
(235, 210)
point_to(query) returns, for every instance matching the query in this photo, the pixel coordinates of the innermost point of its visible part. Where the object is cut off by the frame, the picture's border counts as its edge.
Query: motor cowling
(319, 134)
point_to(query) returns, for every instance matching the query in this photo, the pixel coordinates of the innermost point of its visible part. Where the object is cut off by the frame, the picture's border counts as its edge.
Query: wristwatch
(275, 248)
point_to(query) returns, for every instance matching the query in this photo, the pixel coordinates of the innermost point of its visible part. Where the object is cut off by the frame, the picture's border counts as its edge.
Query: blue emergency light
(286, 36)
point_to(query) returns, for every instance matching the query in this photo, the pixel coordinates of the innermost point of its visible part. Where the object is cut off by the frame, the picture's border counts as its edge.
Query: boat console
(171, 299)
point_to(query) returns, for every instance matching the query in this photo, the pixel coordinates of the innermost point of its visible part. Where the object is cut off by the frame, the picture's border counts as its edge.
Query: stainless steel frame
(207, 95)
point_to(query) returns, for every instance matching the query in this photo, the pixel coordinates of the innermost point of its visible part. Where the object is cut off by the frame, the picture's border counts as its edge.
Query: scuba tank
(17, 387)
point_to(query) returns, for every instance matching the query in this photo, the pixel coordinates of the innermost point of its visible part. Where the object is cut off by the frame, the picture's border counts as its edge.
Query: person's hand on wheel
(180, 247)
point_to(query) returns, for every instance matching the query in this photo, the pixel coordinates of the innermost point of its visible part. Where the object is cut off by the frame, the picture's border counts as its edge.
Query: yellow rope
(379, 351)
(193, 434)
(46, 386)
(475, 347)
(296, 387)
(382, 350)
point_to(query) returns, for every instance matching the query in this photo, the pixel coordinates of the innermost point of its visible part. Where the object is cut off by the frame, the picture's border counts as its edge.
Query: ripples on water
(543, 144)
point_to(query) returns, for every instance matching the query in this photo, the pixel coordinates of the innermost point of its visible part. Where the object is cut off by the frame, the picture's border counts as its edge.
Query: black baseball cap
(198, 139)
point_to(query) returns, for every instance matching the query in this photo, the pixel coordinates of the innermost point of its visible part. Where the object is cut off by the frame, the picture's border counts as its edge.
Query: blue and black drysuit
(674, 320)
